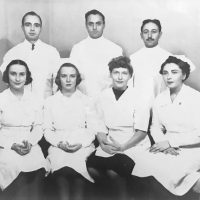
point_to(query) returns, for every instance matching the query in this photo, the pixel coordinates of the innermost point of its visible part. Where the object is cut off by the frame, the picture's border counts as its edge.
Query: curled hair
(33, 14)
(17, 62)
(184, 66)
(121, 62)
(155, 21)
(94, 12)
(78, 76)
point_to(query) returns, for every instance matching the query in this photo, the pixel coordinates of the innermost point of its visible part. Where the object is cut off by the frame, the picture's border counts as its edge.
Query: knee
(112, 174)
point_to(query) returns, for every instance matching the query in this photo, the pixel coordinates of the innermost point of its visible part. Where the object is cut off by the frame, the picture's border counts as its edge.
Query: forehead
(32, 19)
(67, 70)
(120, 69)
(17, 68)
(150, 26)
(94, 18)
(171, 66)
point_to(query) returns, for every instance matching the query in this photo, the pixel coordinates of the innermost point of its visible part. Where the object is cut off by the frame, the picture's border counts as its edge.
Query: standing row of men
(91, 56)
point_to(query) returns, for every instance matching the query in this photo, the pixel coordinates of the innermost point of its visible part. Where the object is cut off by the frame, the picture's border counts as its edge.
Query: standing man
(147, 61)
(42, 59)
(93, 54)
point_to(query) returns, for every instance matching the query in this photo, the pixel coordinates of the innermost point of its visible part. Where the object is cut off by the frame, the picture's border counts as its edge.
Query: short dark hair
(121, 62)
(15, 62)
(184, 66)
(33, 14)
(155, 21)
(78, 78)
(94, 12)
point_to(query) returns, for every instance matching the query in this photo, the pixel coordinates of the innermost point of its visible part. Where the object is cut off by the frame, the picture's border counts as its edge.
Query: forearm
(135, 139)
(52, 137)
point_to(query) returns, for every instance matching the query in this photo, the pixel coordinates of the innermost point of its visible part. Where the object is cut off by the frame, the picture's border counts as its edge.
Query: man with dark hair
(93, 54)
(147, 61)
(41, 58)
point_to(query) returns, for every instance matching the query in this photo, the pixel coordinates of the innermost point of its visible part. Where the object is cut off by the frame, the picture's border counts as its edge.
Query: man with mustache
(93, 54)
(147, 61)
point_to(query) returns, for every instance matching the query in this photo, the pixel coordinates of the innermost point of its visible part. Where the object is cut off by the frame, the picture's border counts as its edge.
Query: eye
(37, 25)
(145, 31)
(27, 24)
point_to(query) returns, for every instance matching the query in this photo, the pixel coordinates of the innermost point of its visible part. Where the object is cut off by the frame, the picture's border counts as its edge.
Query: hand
(69, 148)
(112, 147)
(172, 151)
(159, 147)
(22, 149)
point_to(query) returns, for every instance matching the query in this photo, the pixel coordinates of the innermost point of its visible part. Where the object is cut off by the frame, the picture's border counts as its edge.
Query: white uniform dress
(43, 61)
(146, 64)
(181, 122)
(119, 118)
(69, 119)
(19, 120)
(92, 57)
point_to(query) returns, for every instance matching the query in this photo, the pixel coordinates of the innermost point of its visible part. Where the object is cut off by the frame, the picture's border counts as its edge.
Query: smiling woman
(21, 118)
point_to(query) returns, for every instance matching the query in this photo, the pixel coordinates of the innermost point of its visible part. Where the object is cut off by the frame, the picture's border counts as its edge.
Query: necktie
(33, 46)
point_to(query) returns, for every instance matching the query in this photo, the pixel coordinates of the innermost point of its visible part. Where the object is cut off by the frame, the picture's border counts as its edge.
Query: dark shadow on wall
(5, 45)
(65, 53)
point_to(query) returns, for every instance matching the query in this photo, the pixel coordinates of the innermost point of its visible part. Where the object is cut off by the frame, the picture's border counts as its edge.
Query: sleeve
(100, 125)
(142, 115)
(36, 131)
(156, 127)
(49, 130)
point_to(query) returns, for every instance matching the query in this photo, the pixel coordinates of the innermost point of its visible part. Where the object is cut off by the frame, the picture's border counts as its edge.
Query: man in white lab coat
(93, 54)
(147, 61)
(41, 58)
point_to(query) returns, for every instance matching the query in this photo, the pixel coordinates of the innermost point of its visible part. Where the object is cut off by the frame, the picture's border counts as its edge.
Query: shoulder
(48, 47)
(80, 43)
(111, 44)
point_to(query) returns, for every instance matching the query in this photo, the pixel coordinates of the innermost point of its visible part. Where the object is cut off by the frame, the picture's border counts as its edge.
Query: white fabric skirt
(177, 174)
(11, 164)
(77, 160)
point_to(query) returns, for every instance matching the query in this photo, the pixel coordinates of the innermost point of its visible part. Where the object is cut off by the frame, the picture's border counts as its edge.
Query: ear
(160, 34)
(184, 77)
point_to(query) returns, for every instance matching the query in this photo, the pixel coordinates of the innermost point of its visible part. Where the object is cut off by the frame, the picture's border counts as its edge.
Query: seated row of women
(119, 119)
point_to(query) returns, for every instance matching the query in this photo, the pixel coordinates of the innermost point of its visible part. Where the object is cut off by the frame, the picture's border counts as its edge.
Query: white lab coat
(69, 119)
(43, 62)
(180, 120)
(19, 120)
(146, 64)
(119, 118)
(92, 57)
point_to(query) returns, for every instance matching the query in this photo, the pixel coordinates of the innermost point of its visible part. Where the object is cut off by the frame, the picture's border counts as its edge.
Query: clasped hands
(111, 147)
(65, 146)
(164, 147)
(22, 149)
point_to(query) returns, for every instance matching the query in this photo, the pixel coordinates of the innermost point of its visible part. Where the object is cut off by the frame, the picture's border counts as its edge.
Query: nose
(68, 79)
(120, 76)
(94, 26)
(17, 78)
(149, 34)
(32, 27)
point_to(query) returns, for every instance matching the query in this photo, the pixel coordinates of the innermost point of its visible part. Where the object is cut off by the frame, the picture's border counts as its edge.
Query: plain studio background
(64, 24)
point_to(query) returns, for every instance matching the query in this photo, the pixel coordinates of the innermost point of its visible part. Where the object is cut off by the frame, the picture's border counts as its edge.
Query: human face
(32, 28)
(17, 76)
(120, 77)
(150, 35)
(173, 76)
(95, 26)
(68, 78)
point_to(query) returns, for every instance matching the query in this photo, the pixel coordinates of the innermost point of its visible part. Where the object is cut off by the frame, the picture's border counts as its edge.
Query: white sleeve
(156, 127)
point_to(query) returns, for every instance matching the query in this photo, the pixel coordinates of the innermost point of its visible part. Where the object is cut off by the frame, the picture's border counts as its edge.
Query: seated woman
(68, 128)
(124, 117)
(21, 160)
(174, 159)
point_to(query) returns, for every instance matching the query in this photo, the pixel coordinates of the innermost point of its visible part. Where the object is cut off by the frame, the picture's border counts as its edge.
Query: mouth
(169, 82)
(32, 34)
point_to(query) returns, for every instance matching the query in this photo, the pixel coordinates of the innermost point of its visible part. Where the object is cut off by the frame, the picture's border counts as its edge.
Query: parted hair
(155, 21)
(17, 62)
(33, 14)
(120, 62)
(94, 12)
(184, 66)
(78, 78)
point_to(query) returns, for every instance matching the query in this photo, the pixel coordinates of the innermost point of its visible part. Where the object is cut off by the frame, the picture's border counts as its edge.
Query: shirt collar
(29, 45)
(13, 97)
